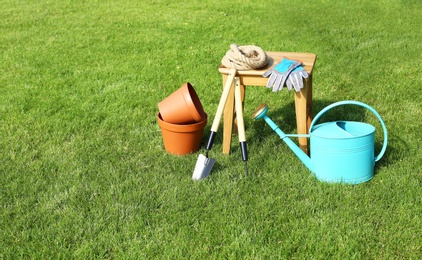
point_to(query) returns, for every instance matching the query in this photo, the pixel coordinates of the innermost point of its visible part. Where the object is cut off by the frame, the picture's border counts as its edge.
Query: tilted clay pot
(182, 106)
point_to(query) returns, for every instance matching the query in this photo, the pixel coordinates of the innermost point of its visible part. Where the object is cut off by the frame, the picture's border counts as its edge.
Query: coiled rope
(247, 57)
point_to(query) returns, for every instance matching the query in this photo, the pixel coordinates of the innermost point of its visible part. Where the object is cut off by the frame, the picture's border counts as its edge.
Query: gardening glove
(282, 72)
(295, 78)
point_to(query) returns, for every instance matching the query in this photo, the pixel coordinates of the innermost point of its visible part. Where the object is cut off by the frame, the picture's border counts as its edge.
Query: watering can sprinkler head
(260, 112)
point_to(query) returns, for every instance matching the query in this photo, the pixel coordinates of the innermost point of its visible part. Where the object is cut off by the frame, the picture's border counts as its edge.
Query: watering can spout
(296, 149)
(261, 113)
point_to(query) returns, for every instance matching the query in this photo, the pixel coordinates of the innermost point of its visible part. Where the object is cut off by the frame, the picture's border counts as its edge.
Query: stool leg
(303, 104)
(228, 119)
(309, 102)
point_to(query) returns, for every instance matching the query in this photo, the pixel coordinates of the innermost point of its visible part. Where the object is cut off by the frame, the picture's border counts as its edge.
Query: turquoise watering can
(341, 151)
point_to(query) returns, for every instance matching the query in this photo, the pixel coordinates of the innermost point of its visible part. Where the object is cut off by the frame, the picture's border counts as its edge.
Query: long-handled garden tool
(240, 123)
(204, 164)
(237, 58)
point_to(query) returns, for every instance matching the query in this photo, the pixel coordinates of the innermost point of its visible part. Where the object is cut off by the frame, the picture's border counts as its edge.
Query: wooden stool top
(308, 60)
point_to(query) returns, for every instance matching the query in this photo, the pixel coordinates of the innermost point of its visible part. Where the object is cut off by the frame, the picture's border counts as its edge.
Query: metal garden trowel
(203, 167)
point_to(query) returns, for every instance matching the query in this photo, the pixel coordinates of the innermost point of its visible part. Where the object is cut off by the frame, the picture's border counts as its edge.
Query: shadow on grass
(285, 118)
(397, 150)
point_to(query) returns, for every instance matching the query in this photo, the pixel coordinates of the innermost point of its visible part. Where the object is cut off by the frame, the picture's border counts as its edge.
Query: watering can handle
(352, 102)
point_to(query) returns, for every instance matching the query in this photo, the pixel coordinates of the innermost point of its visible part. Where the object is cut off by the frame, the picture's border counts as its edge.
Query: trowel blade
(203, 167)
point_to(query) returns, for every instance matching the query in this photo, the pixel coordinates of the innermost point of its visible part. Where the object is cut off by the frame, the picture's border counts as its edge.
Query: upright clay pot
(181, 139)
(182, 106)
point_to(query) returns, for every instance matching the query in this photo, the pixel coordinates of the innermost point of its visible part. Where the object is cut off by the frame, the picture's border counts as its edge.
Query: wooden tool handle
(223, 100)
(240, 122)
(239, 111)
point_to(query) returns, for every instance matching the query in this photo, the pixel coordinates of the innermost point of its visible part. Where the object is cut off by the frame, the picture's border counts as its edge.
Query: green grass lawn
(84, 173)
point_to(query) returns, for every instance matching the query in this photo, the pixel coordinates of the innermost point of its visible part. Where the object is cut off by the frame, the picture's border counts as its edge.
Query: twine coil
(248, 57)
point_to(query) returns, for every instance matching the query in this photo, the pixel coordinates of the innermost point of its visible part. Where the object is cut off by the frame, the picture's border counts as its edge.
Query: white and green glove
(289, 72)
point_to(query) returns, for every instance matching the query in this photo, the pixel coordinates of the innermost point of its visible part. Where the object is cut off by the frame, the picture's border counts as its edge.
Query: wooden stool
(303, 99)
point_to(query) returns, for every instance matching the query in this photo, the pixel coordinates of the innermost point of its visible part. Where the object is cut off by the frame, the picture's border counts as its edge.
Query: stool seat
(303, 99)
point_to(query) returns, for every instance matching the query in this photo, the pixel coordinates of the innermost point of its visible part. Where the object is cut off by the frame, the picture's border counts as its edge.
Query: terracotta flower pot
(182, 106)
(181, 138)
